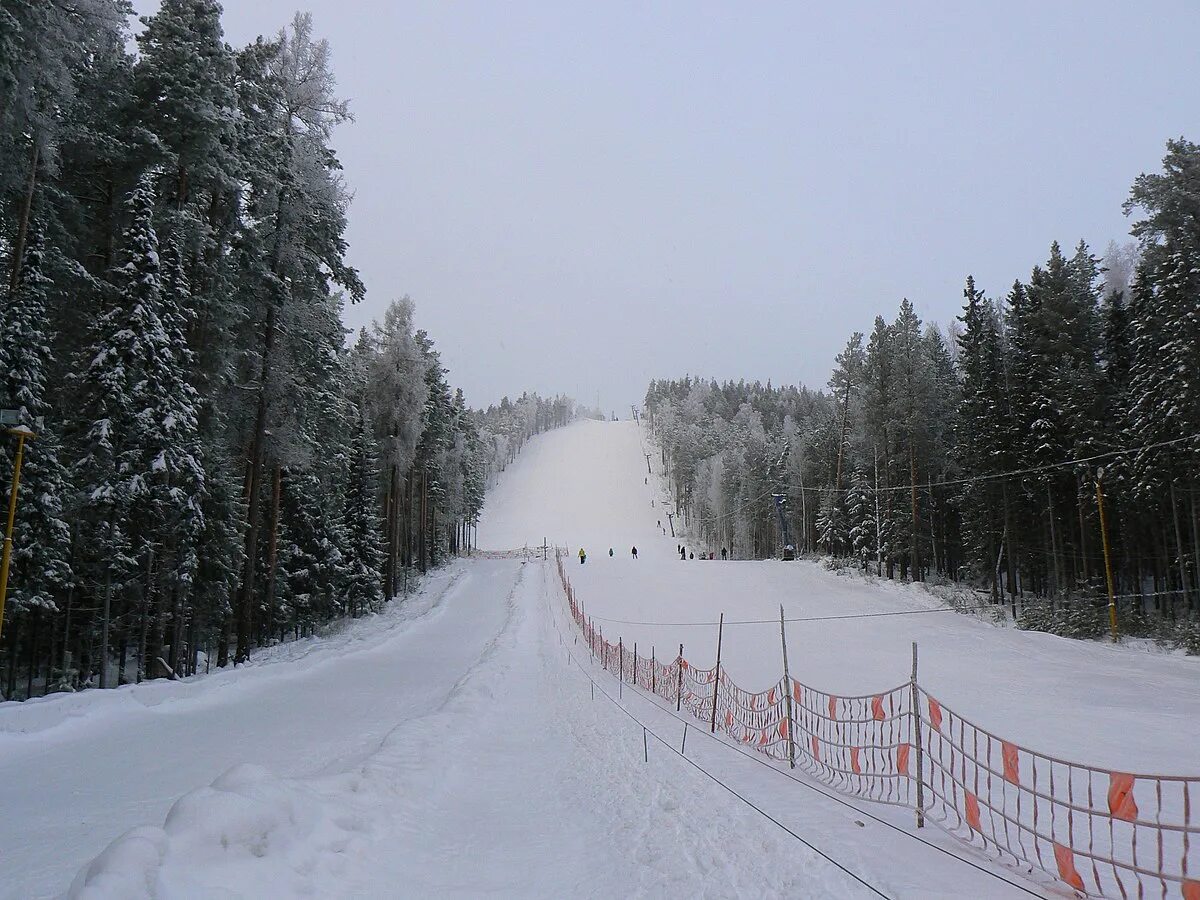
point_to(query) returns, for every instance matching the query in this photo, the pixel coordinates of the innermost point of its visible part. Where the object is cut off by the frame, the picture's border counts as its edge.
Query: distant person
(610, 553)
(660, 523)
(692, 555)
(724, 554)
(635, 552)
(682, 553)
(582, 556)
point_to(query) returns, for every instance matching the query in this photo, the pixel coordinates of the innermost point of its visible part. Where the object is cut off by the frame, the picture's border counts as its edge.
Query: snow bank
(57, 712)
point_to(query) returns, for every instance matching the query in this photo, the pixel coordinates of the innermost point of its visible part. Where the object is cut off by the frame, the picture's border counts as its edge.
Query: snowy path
(77, 771)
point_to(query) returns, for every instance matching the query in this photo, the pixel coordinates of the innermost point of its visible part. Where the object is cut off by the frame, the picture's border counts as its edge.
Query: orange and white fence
(1099, 832)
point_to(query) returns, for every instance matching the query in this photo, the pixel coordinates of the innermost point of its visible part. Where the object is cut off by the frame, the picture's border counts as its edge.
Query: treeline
(214, 468)
(974, 455)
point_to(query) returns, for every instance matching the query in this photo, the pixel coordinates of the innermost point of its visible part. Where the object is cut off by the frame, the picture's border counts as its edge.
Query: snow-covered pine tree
(860, 512)
(982, 430)
(362, 523)
(140, 474)
(40, 574)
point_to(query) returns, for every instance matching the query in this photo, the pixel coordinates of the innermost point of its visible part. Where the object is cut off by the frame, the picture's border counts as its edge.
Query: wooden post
(679, 686)
(787, 693)
(634, 679)
(916, 720)
(653, 672)
(621, 659)
(712, 724)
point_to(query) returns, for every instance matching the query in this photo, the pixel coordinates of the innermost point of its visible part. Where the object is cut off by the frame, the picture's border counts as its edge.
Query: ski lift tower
(789, 551)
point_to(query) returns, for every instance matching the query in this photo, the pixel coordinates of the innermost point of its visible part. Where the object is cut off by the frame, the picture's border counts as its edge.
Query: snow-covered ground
(456, 745)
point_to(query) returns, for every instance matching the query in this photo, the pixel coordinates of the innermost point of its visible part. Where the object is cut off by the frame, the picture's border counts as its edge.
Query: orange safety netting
(1100, 832)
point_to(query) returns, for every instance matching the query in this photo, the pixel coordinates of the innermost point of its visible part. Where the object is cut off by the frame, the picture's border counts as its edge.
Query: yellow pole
(1112, 601)
(21, 434)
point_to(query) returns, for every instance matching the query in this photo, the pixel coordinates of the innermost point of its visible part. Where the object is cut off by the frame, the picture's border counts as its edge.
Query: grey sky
(582, 196)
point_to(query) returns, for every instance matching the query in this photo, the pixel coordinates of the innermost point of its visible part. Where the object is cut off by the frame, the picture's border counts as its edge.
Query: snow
(453, 745)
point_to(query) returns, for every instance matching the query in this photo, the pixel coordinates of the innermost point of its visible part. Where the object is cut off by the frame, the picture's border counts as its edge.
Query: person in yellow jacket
(582, 556)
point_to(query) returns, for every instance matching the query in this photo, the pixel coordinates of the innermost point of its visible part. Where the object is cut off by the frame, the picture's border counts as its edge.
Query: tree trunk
(421, 536)
(35, 624)
(18, 250)
(1057, 584)
(105, 626)
(916, 525)
(1184, 582)
(273, 545)
(245, 606)
(1083, 544)
(1196, 534)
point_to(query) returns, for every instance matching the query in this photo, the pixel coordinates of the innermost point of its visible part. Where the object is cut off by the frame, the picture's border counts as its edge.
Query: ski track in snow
(451, 746)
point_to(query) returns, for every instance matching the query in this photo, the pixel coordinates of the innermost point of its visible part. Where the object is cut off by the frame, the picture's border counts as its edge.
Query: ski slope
(462, 744)
(587, 485)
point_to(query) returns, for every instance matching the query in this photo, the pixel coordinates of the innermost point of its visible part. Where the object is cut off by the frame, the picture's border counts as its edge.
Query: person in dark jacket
(635, 552)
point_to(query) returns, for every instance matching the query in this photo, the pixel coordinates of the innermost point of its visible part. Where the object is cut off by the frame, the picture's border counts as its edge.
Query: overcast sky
(583, 196)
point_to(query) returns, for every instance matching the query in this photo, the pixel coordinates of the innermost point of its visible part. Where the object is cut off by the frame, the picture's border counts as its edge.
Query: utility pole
(671, 520)
(649, 471)
(21, 434)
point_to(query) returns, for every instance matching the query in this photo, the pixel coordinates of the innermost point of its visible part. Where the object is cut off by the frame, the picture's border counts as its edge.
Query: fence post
(653, 671)
(787, 693)
(634, 679)
(916, 725)
(679, 686)
(621, 658)
(712, 725)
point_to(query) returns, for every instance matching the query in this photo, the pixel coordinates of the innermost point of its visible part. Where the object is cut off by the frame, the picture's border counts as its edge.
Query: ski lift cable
(899, 612)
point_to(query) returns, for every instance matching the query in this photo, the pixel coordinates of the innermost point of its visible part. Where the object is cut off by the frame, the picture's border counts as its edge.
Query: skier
(582, 556)
(682, 553)
(693, 556)
(610, 553)
(635, 552)
(724, 554)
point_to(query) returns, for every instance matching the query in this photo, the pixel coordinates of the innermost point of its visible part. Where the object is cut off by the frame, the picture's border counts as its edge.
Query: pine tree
(980, 450)
(140, 472)
(860, 509)
(40, 568)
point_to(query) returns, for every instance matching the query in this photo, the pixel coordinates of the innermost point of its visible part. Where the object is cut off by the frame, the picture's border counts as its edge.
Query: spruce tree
(40, 572)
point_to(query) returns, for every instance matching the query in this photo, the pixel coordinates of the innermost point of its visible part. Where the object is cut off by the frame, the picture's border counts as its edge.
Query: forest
(983, 453)
(216, 466)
